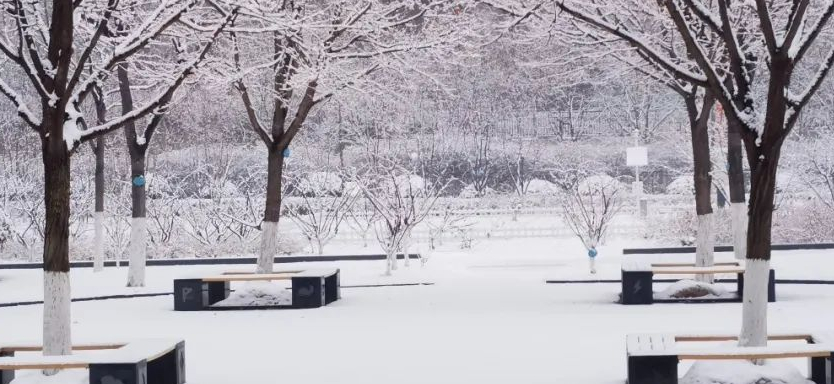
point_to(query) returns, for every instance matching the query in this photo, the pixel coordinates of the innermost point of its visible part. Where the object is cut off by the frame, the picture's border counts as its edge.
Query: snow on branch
(635, 41)
(22, 110)
(157, 104)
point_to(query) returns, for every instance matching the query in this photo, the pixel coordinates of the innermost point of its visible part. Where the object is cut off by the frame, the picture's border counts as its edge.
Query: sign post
(637, 157)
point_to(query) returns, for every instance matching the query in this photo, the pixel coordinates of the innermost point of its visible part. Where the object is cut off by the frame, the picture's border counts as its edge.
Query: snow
(679, 289)
(259, 293)
(72, 131)
(743, 372)
(541, 187)
(488, 318)
(319, 183)
(69, 376)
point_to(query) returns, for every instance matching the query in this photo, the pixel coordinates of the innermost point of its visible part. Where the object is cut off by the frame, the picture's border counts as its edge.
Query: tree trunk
(98, 151)
(137, 249)
(138, 225)
(98, 215)
(699, 129)
(406, 246)
(389, 262)
(735, 173)
(272, 213)
(754, 309)
(56, 280)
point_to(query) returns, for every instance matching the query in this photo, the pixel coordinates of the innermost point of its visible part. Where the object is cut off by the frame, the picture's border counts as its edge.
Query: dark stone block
(215, 291)
(820, 370)
(308, 292)
(332, 288)
(652, 370)
(119, 373)
(637, 287)
(188, 295)
(6, 377)
(168, 368)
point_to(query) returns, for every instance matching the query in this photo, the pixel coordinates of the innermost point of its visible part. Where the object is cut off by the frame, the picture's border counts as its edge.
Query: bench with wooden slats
(638, 277)
(139, 362)
(311, 288)
(653, 358)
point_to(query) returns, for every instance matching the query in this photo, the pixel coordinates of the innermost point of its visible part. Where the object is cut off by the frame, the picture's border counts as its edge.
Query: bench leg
(216, 291)
(820, 370)
(188, 295)
(332, 288)
(168, 368)
(637, 287)
(308, 292)
(119, 373)
(6, 377)
(652, 370)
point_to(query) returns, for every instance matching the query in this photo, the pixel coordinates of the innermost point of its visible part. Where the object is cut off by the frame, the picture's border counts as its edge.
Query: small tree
(401, 199)
(318, 212)
(589, 207)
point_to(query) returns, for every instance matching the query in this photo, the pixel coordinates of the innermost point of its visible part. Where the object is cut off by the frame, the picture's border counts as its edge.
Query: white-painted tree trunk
(705, 246)
(389, 262)
(98, 246)
(57, 338)
(754, 307)
(406, 246)
(739, 223)
(137, 252)
(269, 246)
(593, 264)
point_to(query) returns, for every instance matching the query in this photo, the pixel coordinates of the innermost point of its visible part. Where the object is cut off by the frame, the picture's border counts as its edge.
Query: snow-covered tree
(763, 78)
(315, 50)
(64, 49)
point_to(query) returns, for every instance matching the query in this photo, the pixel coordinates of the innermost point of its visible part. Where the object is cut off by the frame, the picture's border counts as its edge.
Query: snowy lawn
(489, 318)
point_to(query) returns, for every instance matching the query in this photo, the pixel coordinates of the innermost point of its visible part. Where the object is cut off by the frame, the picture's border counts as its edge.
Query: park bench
(638, 276)
(138, 362)
(311, 288)
(653, 358)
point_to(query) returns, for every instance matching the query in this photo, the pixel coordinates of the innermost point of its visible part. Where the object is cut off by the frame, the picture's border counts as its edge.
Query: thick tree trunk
(738, 203)
(137, 249)
(98, 215)
(272, 213)
(138, 225)
(699, 129)
(56, 307)
(754, 311)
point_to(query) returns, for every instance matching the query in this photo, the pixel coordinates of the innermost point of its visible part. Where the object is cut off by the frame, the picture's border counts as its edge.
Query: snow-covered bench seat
(311, 288)
(158, 361)
(638, 276)
(653, 358)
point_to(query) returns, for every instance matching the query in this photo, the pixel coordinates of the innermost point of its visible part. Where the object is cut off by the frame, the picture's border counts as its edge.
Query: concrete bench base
(160, 362)
(654, 358)
(637, 289)
(310, 289)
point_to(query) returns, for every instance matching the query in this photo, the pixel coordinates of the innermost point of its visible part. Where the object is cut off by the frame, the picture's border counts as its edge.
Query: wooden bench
(138, 362)
(653, 358)
(311, 288)
(637, 279)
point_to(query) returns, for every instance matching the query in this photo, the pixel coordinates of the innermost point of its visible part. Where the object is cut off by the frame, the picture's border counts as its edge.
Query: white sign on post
(637, 157)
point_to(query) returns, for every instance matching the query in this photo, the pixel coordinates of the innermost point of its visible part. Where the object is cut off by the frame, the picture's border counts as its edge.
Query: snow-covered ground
(488, 318)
